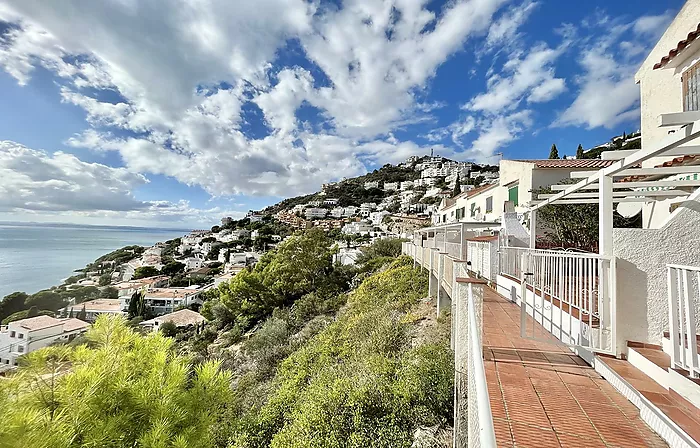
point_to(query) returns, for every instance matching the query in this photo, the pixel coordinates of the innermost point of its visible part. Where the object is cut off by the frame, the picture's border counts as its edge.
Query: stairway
(668, 399)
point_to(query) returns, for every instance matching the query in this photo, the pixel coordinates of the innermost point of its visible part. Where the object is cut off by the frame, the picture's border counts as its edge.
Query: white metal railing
(571, 294)
(479, 258)
(683, 307)
(473, 418)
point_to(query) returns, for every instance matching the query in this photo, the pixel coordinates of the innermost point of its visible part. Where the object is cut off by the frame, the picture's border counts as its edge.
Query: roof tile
(570, 163)
(680, 47)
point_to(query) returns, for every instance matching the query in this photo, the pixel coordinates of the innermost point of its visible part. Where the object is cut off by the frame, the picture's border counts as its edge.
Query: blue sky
(150, 113)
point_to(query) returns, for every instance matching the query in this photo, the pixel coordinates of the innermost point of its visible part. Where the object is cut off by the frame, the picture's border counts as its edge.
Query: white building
(166, 300)
(406, 185)
(330, 201)
(314, 204)
(357, 228)
(193, 263)
(298, 209)
(254, 235)
(349, 211)
(313, 212)
(425, 182)
(435, 172)
(182, 319)
(391, 186)
(366, 208)
(240, 234)
(337, 212)
(374, 184)
(238, 258)
(94, 308)
(27, 335)
(226, 221)
(377, 217)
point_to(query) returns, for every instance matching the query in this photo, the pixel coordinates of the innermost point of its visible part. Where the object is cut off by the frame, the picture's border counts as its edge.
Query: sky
(172, 113)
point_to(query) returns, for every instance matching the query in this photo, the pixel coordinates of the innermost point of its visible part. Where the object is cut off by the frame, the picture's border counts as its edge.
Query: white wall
(642, 283)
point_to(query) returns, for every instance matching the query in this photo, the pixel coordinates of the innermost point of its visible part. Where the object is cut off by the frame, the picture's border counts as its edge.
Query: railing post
(533, 229)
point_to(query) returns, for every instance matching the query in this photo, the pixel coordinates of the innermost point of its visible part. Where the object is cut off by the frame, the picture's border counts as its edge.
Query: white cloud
(530, 78)
(184, 73)
(607, 94)
(498, 132)
(61, 185)
(503, 33)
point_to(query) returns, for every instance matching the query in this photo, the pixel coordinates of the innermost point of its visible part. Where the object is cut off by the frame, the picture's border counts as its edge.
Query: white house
(166, 300)
(330, 201)
(337, 212)
(238, 258)
(406, 185)
(94, 308)
(193, 263)
(425, 182)
(374, 184)
(27, 335)
(358, 227)
(391, 186)
(313, 212)
(366, 208)
(349, 211)
(182, 319)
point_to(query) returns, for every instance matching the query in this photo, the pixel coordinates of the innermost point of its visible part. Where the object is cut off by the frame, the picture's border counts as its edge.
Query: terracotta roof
(484, 238)
(680, 47)
(169, 293)
(38, 323)
(98, 305)
(570, 163)
(688, 159)
(180, 318)
(72, 324)
(476, 191)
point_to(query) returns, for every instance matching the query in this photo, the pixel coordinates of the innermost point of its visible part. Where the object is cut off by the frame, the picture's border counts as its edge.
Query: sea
(37, 256)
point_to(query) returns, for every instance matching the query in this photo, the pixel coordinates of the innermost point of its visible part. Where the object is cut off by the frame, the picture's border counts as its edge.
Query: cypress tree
(554, 152)
(579, 152)
(458, 187)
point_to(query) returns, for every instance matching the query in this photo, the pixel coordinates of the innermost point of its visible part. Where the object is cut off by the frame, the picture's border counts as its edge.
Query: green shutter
(513, 195)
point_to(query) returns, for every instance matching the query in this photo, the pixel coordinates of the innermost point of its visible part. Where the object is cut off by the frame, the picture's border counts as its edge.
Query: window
(20, 335)
(489, 204)
(20, 348)
(460, 213)
(513, 195)
(472, 210)
(691, 84)
(12, 334)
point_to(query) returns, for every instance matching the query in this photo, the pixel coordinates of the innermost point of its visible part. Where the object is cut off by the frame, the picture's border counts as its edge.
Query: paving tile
(543, 395)
(526, 436)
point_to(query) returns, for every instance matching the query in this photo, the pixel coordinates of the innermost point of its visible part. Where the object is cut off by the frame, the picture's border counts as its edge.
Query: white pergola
(608, 186)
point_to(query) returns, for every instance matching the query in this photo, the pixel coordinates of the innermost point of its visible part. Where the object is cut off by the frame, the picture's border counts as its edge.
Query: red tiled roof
(680, 47)
(484, 238)
(688, 159)
(480, 189)
(570, 163)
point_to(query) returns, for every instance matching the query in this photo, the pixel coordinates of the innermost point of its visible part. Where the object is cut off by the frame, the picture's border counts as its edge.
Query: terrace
(562, 347)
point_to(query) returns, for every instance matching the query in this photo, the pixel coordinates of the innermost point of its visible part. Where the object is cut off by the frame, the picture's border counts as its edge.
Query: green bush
(359, 382)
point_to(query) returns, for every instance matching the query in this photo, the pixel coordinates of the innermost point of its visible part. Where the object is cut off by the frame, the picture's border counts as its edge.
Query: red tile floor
(542, 395)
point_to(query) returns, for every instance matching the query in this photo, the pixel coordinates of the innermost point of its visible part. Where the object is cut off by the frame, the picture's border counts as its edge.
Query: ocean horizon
(36, 256)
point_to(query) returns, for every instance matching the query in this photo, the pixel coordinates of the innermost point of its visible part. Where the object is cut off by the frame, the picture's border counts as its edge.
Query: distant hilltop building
(369, 185)
(226, 221)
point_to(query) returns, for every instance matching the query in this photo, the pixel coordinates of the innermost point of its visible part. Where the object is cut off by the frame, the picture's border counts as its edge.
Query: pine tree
(82, 314)
(554, 152)
(458, 187)
(579, 152)
(70, 314)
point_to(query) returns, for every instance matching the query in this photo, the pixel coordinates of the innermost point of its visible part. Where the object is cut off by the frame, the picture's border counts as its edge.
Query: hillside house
(27, 335)
(95, 308)
(182, 319)
(391, 186)
(313, 212)
(374, 184)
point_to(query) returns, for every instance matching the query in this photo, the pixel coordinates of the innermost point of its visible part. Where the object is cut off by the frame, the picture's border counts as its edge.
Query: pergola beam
(688, 133)
(660, 171)
(622, 194)
(641, 184)
(622, 153)
(593, 201)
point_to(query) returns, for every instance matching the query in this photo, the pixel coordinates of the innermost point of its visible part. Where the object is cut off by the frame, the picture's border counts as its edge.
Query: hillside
(352, 192)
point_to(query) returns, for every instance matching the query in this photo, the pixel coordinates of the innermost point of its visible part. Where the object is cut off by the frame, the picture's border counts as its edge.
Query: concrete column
(432, 280)
(533, 229)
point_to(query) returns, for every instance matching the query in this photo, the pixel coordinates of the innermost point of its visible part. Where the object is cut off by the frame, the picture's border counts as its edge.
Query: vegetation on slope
(291, 358)
(120, 389)
(364, 381)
